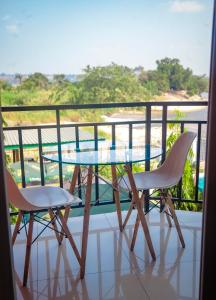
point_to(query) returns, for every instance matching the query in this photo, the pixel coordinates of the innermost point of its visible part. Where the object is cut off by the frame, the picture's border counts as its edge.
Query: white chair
(34, 199)
(166, 176)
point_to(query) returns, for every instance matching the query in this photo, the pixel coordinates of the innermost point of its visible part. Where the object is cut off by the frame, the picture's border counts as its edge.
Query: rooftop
(48, 136)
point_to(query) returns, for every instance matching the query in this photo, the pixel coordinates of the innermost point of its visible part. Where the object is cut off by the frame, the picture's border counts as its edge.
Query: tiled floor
(112, 270)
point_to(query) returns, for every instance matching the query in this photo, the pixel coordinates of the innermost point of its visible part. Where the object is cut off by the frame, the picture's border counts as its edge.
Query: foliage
(170, 75)
(4, 86)
(35, 81)
(112, 83)
(189, 206)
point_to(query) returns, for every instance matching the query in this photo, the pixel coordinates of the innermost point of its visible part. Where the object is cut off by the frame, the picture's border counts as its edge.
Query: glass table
(105, 154)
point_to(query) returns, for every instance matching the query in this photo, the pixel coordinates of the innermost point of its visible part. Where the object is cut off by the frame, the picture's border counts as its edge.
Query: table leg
(86, 221)
(117, 196)
(141, 214)
(74, 179)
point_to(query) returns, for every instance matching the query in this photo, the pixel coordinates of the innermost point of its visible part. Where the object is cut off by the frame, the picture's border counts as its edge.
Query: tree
(173, 72)
(65, 93)
(170, 75)
(59, 78)
(4, 85)
(19, 78)
(35, 81)
(111, 83)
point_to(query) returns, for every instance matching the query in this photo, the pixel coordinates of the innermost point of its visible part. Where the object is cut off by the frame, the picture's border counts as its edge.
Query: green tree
(35, 81)
(112, 83)
(4, 86)
(59, 79)
(65, 92)
(19, 77)
(197, 85)
(170, 75)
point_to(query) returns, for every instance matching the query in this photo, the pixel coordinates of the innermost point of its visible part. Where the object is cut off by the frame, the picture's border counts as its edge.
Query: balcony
(112, 270)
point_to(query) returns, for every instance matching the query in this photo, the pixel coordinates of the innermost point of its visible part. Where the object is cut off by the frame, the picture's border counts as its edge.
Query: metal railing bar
(101, 105)
(179, 190)
(22, 164)
(59, 147)
(147, 143)
(198, 161)
(164, 132)
(113, 134)
(130, 135)
(113, 144)
(40, 157)
(79, 174)
(102, 124)
(96, 167)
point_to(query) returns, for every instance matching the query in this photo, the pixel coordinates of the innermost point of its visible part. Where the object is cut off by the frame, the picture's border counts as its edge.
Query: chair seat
(48, 196)
(149, 180)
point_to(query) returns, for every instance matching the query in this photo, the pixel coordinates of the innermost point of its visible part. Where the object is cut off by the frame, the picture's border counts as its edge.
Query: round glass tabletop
(105, 155)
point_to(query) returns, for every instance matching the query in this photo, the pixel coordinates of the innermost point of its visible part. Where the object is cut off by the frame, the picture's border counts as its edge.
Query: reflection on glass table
(106, 154)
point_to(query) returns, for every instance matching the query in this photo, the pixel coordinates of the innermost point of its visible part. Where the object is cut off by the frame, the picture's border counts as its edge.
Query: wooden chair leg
(71, 190)
(164, 207)
(140, 212)
(28, 249)
(175, 219)
(66, 216)
(136, 226)
(54, 225)
(17, 227)
(128, 214)
(86, 221)
(166, 211)
(116, 195)
(69, 236)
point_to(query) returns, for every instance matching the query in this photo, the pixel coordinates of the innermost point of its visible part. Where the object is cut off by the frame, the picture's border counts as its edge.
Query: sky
(53, 36)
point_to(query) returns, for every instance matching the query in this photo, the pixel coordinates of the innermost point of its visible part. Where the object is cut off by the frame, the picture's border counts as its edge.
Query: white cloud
(12, 28)
(186, 6)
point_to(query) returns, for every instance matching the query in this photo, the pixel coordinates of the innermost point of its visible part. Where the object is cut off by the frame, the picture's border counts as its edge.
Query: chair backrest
(15, 197)
(175, 161)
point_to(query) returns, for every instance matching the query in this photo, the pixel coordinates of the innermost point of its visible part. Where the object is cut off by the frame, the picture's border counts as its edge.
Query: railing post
(147, 144)
(21, 158)
(40, 157)
(130, 147)
(179, 190)
(59, 146)
(113, 145)
(198, 160)
(164, 131)
(96, 167)
(164, 137)
(79, 175)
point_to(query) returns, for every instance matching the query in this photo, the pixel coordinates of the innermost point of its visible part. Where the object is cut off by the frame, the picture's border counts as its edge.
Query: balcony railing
(147, 122)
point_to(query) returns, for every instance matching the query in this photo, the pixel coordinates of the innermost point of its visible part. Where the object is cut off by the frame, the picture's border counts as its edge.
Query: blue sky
(53, 36)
